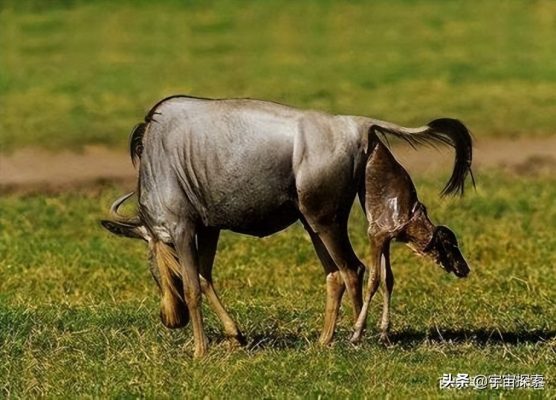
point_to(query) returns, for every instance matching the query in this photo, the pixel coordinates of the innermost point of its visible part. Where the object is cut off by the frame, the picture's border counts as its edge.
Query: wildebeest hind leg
(335, 287)
(336, 240)
(207, 240)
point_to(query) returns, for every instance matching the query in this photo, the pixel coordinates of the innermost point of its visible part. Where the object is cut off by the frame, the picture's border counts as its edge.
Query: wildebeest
(395, 213)
(255, 167)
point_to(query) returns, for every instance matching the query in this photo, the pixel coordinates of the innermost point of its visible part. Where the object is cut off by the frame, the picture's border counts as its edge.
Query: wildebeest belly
(257, 204)
(257, 223)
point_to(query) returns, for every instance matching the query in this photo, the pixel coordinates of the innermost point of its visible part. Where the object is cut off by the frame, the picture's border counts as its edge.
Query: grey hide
(249, 166)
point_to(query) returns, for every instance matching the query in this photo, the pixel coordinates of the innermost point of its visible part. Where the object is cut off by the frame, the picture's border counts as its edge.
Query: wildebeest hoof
(200, 349)
(325, 340)
(175, 321)
(236, 340)
(240, 339)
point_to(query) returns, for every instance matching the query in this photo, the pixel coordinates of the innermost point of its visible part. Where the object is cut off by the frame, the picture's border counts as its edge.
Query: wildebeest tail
(444, 131)
(138, 131)
(136, 141)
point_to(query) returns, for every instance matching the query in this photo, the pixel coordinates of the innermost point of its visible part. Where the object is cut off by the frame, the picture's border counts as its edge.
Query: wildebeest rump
(255, 167)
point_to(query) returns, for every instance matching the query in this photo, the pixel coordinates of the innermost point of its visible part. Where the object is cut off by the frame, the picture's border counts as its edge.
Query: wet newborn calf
(394, 212)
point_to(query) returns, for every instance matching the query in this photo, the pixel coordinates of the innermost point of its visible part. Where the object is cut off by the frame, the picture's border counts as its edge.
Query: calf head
(443, 247)
(438, 242)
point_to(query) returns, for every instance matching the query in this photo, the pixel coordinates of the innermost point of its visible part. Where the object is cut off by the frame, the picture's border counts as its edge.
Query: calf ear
(122, 229)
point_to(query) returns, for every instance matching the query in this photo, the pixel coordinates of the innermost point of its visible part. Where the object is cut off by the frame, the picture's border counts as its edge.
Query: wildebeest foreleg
(189, 262)
(207, 240)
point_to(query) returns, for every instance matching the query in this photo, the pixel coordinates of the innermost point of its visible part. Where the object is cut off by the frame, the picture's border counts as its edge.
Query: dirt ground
(37, 170)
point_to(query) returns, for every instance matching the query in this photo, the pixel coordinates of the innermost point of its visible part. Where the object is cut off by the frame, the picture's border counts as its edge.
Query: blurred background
(84, 72)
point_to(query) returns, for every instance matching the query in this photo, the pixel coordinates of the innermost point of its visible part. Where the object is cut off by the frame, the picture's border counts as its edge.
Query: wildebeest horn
(117, 216)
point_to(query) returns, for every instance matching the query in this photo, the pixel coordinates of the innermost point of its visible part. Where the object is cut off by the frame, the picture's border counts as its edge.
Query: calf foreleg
(380, 250)
(387, 288)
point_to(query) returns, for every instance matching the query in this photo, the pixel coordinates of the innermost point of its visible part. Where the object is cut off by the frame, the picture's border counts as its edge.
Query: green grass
(76, 72)
(79, 311)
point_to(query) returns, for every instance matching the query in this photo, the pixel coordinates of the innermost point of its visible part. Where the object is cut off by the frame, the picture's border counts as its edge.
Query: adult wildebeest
(254, 167)
(395, 213)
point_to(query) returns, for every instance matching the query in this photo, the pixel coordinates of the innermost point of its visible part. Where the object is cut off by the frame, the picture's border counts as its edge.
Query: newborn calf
(394, 212)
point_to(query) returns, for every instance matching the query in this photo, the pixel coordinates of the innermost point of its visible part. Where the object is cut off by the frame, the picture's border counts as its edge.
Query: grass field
(76, 72)
(79, 311)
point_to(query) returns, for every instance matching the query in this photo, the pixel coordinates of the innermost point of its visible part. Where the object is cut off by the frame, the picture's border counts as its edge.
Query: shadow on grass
(278, 341)
(269, 340)
(481, 336)
(274, 338)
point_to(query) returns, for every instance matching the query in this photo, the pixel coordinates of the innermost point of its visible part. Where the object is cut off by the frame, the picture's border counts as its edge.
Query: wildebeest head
(163, 264)
(131, 227)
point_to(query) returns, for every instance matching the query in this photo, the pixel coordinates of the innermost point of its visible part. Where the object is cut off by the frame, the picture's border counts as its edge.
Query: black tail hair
(444, 131)
(136, 141)
(138, 131)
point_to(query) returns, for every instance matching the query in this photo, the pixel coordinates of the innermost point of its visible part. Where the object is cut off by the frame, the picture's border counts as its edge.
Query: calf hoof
(358, 330)
(175, 319)
(385, 340)
(355, 338)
